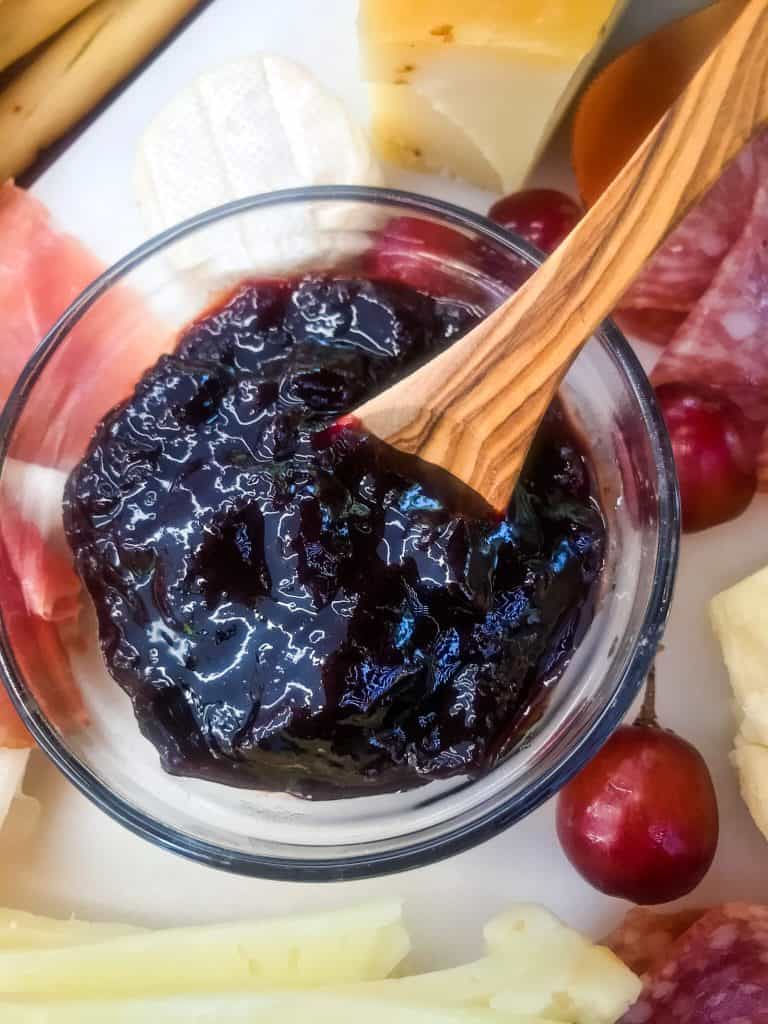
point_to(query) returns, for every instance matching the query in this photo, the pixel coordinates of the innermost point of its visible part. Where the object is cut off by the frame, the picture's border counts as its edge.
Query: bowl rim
(455, 838)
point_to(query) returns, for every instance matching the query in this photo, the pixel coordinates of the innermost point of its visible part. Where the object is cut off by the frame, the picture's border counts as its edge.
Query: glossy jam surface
(287, 608)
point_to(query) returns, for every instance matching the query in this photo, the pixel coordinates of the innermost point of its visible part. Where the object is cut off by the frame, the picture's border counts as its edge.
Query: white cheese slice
(252, 126)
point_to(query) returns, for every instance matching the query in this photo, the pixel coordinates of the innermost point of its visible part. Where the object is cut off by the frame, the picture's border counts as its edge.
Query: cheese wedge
(476, 87)
(252, 126)
(404, 120)
(740, 620)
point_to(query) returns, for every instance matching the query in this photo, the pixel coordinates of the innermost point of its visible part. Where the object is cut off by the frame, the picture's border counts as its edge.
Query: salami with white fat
(715, 973)
(683, 268)
(724, 341)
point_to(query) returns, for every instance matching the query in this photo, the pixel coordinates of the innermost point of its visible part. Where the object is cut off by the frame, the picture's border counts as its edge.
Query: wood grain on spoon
(475, 409)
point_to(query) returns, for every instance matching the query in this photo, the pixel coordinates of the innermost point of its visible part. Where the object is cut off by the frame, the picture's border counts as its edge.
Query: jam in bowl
(279, 608)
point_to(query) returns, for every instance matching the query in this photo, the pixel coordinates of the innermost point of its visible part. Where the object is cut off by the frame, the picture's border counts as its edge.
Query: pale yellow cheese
(327, 968)
(410, 132)
(481, 84)
(740, 620)
(535, 968)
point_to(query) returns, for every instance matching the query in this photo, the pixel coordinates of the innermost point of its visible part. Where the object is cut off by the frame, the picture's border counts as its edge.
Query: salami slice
(644, 937)
(683, 269)
(657, 326)
(715, 973)
(724, 341)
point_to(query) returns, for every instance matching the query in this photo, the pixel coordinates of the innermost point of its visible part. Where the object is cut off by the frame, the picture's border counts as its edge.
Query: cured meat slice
(31, 526)
(683, 269)
(39, 594)
(656, 326)
(715, 973)
(35, 287)
(644, 937)
(49, 584)
(724, 341)
(38, 648)
(41, 272)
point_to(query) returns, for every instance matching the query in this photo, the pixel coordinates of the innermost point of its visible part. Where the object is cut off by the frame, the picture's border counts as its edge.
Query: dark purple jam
(289, 609)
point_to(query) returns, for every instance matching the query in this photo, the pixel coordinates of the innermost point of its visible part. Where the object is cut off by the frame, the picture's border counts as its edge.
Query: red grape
(640, 820)
(405, 249)
(541, 215)
(715, 453)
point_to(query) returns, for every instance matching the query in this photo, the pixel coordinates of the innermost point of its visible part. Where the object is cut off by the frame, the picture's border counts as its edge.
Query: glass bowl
(67, 386)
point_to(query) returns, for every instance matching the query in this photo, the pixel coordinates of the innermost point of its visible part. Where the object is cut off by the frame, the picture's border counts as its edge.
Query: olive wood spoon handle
(474, 409)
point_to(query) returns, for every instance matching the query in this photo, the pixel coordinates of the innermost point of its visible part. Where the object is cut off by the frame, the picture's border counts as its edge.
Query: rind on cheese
(560, 29)
(740, 621)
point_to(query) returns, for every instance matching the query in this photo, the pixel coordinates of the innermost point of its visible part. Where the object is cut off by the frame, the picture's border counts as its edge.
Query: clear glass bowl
(64, 390)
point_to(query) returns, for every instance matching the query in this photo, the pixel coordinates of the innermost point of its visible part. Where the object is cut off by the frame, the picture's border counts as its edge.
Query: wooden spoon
(475, 409)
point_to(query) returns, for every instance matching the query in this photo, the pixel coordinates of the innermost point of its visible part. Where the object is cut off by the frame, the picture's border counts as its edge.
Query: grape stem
(647, 718)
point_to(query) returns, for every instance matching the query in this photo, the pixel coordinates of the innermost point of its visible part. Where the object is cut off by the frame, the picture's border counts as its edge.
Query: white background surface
(81, 862)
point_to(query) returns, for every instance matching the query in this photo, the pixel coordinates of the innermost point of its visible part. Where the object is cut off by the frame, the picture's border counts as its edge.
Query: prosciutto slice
(38, 649)
(42, 270)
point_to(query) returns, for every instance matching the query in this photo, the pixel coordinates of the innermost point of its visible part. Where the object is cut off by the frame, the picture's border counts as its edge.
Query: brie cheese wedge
(250, 127)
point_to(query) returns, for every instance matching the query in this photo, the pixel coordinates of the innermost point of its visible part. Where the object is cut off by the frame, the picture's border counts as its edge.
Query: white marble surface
(82, 862)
